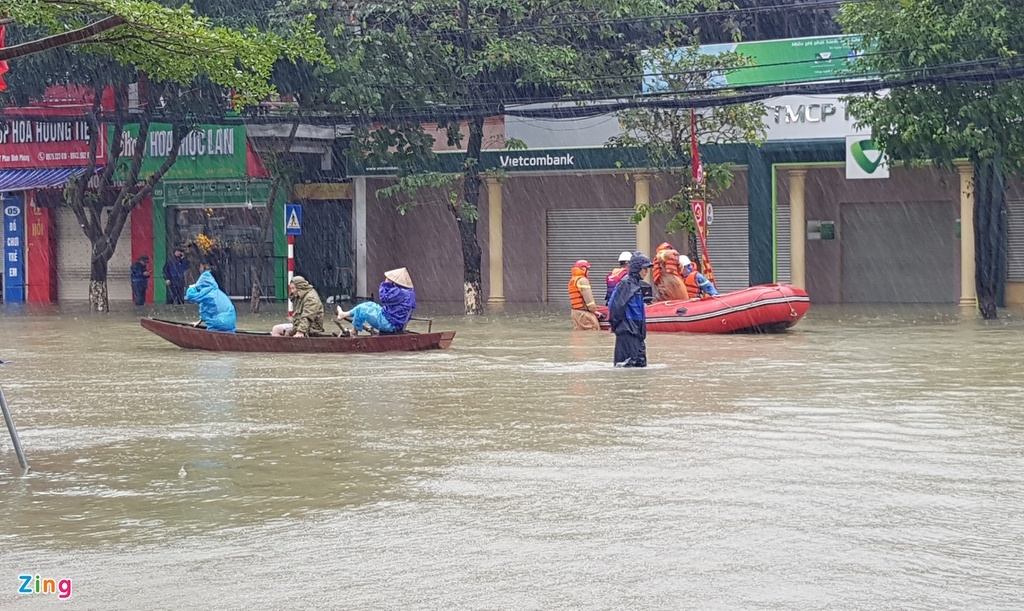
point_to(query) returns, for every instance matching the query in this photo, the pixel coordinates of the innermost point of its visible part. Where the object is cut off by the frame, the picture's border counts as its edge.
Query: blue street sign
(14, 249)
(292, 219)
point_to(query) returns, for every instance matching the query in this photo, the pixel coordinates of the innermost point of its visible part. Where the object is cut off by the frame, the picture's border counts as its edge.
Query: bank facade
(799, 211)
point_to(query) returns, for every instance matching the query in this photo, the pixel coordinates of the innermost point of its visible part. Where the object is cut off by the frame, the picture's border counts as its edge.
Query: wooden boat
(184, 335)
(765, 308)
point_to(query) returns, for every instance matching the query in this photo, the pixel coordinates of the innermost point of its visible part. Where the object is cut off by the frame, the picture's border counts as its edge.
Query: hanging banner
(14, 252)
(702, 232)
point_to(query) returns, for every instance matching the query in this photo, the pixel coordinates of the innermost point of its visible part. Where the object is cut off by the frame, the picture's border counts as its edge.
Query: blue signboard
(14, 249)
(293, 219)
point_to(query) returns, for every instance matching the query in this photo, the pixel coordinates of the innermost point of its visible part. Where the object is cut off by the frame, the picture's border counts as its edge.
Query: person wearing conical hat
(397, 303)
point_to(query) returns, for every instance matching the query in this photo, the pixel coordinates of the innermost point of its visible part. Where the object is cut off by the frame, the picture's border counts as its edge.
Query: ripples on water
(864, 460)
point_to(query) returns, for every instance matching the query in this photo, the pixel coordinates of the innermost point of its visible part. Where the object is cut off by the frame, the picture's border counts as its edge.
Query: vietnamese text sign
(864, 159)
(792, 60)
(14, 239)
(46, 144)
(208, 152)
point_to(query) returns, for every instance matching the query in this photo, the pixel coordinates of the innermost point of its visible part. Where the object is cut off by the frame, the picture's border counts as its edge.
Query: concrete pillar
(968, 294)
(797, 228)
(496, 248)
(359, 233)
(642, 194)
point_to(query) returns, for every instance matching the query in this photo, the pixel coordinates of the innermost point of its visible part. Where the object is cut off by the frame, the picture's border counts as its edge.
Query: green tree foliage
(183, 65)
(412, 61)
(961, 107)
(665, 133)
(168, 44)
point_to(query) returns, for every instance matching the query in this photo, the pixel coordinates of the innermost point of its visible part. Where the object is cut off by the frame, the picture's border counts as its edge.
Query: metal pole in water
(14, 431)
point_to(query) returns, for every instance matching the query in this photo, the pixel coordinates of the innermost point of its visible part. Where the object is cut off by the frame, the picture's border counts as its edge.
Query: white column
(642, 195)
(797, 228)
(496, 249)
(968, 293)
(359, 233)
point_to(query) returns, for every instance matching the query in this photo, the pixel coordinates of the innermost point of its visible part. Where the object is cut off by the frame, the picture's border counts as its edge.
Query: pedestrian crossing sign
(293, 219)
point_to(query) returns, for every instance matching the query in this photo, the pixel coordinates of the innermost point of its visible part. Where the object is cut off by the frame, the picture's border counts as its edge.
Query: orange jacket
(580, 294)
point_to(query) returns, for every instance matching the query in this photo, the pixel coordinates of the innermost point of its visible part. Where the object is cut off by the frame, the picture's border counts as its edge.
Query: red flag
(3, 64)
(698, 167)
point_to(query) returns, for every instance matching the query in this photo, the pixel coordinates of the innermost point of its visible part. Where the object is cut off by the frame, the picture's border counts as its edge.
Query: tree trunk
(989, 234)
(467, 220)
(254, 297)
(98, 301)
(694, 249)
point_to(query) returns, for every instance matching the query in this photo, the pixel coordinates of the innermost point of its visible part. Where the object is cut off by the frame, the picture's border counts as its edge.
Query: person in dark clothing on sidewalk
(628, 317)
(174, 277)
(140, 280)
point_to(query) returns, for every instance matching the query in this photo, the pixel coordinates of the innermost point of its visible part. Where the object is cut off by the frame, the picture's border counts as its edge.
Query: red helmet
(582, 264)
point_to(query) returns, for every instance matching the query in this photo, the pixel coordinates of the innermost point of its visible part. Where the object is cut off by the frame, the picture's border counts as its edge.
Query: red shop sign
(27, 144)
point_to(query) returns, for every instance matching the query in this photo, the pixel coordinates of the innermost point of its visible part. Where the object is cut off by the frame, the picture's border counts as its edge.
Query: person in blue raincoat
(397, 302)
(628, 317)
(215, 309)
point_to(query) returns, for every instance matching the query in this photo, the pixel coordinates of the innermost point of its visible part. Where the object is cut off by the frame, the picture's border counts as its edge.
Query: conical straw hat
(400, 277)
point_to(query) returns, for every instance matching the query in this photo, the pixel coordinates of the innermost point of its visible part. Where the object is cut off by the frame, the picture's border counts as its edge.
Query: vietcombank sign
(207, 152)
(533, 161)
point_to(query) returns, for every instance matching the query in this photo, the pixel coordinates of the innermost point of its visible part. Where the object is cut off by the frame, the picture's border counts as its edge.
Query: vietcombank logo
(864, 159)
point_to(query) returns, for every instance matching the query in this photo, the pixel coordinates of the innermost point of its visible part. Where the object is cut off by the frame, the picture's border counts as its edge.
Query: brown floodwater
(867, 459)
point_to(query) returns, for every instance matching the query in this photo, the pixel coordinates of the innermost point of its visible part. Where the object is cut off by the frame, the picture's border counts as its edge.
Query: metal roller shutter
(595, 235)
(73, 251)
(728, 248)
(1014, 240)
(782, 245)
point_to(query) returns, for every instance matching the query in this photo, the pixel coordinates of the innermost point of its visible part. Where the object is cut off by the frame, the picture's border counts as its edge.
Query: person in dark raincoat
(628, 317)
(215, 308)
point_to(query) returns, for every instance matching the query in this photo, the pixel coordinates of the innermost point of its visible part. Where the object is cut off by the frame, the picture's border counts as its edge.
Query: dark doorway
(323, 253)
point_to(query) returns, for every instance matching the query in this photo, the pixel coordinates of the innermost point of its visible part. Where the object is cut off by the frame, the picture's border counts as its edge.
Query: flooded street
(861, 461)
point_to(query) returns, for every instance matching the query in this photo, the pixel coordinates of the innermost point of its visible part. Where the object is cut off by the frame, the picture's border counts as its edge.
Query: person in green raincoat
(308, 318)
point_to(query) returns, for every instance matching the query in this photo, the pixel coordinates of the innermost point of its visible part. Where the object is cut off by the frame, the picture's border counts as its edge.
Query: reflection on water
(870, 458)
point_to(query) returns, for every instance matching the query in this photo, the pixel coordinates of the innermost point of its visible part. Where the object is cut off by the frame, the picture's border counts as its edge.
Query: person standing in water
(628, 317)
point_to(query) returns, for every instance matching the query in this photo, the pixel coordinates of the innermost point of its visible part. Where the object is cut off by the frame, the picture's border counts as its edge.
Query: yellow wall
(1014, 294)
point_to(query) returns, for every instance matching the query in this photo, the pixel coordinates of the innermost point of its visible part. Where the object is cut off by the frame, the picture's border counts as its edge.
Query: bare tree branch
(60, 40)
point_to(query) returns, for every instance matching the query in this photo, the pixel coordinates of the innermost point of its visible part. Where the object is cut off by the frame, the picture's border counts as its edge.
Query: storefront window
(232, 240)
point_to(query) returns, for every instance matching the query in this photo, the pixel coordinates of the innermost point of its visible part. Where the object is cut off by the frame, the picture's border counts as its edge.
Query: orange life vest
(690, 279)
(666, 262)
(575, 294)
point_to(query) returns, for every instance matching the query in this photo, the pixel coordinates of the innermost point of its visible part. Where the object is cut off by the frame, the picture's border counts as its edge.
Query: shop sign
(213, 194)
(864, 159)
(772, 62)
(46, 144)
(208, 152)
(14, 239)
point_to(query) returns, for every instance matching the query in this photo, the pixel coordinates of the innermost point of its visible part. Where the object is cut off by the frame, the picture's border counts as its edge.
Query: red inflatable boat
(765, 308)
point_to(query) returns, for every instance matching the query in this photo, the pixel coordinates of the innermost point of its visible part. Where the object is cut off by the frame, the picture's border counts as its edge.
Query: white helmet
(684, 261)
(625, 256)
